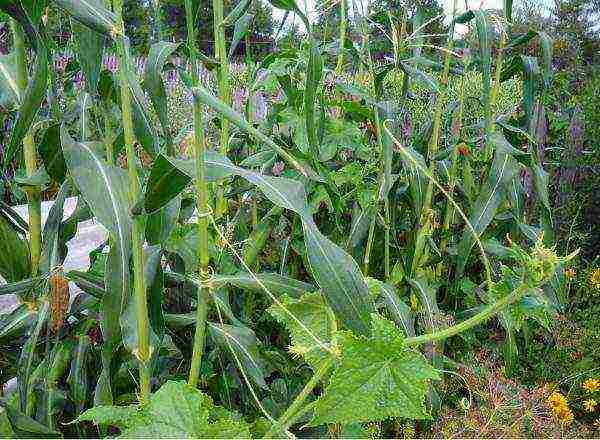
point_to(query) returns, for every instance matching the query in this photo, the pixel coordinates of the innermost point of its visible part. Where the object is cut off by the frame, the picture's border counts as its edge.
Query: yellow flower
(565, 417)
(590, 405)
(591, 385)
(595, 278)
(570, 273)
(597, 423)
(557, 401)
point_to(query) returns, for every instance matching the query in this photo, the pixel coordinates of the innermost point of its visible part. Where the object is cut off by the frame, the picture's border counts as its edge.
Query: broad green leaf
(428, 296)
(51, 153)
(485, 51)
(89, 46)
(54, 249)
(142, 124)
(340, 279)
(161, 223)
(503, 170)
(238, 120)
(311, 340)
(27, 356)
(378, 378)
(398, 310)
(359, 227)
(277, 284)
(21, 287)
(6, 430)
(31, 102)
(243, 349)
(154, 85)
(9, 89)
(314, 74)
(417, 180)
(236, 13)
(335, 271)
(508, 8)
(104, 187)
(16, 323)
(91, 13)
(78, 373)
(14, 253)
(242, 25)
(420, 77)
(176, 410)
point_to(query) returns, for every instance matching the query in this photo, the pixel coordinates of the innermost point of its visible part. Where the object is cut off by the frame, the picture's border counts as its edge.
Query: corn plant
(194, 282)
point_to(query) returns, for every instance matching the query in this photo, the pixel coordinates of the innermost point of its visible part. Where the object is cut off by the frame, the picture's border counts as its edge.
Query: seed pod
(59, 303)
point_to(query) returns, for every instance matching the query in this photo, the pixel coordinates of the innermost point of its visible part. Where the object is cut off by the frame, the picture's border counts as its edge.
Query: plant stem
(433, 147)
(295, 409)
(34, 204)
(201, 204)
(108, 134)
(224, 95)
(449, 215)
(383, 168)
(343, 25)
(473, 321)
(137, 236)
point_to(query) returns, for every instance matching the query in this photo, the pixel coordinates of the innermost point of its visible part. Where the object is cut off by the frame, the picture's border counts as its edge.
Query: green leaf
(52, 155)
(428, 296)
(238, 120)
(176, 410)
(15, 323)
(236, 13)
(104, 187)
(277, 284)
(14, 253)
(314, 74)
(78, 373)
(508, 8)
(32, 100)
(420, 77)
(334, 270)
(54, 248)
(242, 25)
(89, 46)
(378, 378)
(398, 310)
(311, 329)
(340, 278)
(9, 89)
(241, 345)
(161, 223)
(485, 51)
(502, 172)
(154, 85)
(91, 13)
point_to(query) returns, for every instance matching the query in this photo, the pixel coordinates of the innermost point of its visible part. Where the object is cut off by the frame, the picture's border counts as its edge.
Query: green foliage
(175, 410)
(391, 378)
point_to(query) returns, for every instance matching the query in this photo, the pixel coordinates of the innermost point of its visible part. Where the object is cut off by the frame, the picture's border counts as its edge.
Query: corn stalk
(34, 205)
(141, 306)
(202, 196)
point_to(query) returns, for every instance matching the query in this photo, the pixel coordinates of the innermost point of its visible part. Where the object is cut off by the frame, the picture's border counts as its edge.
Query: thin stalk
(295, 409)
(224, 94)
(488, 312)
(141, 306)
(382, 173)
(449, 215)
(201, 204)
(343, 25)
(34, 204)
(432, 149)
